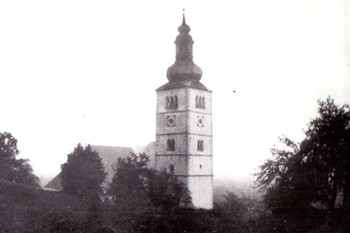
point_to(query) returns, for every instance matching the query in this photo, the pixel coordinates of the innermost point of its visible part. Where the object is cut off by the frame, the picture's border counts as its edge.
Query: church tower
(184, 143)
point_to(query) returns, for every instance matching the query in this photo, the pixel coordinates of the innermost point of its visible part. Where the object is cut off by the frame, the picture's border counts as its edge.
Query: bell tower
(184, 124)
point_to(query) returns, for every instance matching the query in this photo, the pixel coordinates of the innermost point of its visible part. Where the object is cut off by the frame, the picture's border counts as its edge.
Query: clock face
(170, 121)
(200, 121)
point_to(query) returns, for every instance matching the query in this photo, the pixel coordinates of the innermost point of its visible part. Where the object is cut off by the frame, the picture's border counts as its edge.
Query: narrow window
(171, 168)
(197, 101)
(200, 166)
(168, 145)
(171, 102)
(203, 102)
(173, 145)
(167, 105)
(176, 103)
(200, 145)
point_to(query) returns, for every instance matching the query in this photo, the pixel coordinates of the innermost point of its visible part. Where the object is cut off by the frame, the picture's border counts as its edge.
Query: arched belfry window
(171, 102)
(200, 102)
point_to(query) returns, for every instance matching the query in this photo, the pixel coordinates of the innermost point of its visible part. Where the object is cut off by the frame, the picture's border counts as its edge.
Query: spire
(184, 68)
(184, 28)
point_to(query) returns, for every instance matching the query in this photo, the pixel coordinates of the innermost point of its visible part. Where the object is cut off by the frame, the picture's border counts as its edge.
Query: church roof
(109, 156)
(184, 72)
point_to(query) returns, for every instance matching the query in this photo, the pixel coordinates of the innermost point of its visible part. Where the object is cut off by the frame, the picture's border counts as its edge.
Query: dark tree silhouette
(315, 170)
(141, 193)
(12, 169)
(128, 187)
(83, 173)
(231, 214)
(135, 183)
(167, 192)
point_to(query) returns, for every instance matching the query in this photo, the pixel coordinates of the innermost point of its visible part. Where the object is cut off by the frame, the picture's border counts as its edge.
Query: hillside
(242, 188)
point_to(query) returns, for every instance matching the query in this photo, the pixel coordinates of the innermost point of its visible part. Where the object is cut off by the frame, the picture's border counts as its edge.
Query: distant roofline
(55, 182)
(129, 147)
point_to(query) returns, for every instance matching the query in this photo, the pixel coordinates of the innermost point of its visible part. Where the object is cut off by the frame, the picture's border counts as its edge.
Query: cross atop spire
(184, 27)
(183, 16)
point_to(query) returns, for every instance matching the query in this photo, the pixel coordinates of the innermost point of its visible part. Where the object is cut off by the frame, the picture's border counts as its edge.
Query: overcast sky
(86, 71)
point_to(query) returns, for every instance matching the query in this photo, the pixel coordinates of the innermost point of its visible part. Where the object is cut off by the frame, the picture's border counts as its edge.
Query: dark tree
(129, 192)
(12, 169)
(83, 173)
(167, 192)
(128, 187)
(315, 170)
(230, 214)
(141, 195)
(134, 182)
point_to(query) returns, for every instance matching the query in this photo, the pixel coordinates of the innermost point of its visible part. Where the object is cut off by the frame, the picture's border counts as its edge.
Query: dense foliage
(27, 210)
(12, 169)
(314, 171)
(138, 191)
(83, 173)
(145, 200)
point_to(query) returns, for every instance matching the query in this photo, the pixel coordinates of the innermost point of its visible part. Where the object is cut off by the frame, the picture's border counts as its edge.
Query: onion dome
(184, 69)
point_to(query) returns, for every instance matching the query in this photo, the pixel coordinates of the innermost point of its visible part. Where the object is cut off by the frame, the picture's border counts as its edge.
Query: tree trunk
(346, 188)
(333, 199)
(334, 191)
